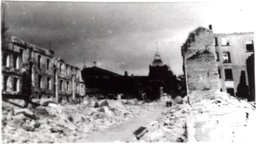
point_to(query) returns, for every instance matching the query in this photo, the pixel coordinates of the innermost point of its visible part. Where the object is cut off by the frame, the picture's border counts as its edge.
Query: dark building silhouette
(101, 81)
(161, 76)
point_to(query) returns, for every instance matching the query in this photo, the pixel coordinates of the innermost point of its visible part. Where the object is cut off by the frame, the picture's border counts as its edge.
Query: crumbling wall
(199, 60)
(31, 72)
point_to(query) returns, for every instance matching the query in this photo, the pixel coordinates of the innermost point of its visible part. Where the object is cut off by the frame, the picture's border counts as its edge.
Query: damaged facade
(33, 72)
(235, 61)
(199, 61)
(222, 62)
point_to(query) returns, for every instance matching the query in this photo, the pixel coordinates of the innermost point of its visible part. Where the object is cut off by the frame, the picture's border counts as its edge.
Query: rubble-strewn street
(124, 132)
(210, 117)
(129, 72)
(59, 123)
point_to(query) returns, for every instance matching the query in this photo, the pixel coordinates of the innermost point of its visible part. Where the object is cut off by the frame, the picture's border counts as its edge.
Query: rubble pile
(220, 117)
(171, 127)
(62, 123)
(205, 116)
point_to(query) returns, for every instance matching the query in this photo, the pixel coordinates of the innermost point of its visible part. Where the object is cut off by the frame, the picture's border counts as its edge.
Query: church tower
(161, 79)
(157, 68)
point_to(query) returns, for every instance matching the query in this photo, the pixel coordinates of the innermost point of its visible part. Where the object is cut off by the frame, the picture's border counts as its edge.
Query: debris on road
(54, 122)
(210, 117)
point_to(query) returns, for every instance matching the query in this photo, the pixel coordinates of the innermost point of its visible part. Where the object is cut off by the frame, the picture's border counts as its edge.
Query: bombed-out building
(29, 72)
(235, 62)
(200, 67)
(222, 62)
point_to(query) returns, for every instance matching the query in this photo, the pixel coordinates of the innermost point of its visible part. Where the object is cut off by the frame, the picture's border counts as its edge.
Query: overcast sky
(122, 36)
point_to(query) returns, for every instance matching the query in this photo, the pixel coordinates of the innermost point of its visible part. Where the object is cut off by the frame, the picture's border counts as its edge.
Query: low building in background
(32, 72)
(101, 81)
(160, 80)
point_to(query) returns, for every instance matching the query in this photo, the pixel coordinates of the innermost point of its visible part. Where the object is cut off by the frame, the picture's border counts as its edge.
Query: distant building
(161, 78)
(235, 60)
(101, 81)
(33, 72)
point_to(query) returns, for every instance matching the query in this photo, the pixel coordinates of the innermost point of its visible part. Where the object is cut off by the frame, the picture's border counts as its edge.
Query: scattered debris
(210, 117)
(54, 122)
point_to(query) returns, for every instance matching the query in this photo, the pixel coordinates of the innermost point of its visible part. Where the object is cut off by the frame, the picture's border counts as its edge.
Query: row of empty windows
(62, 87)
(225, 57)
(15, 59)
(39, 62)
(225, 42)
(68, 85)
(228, 74)
(11, 84)
(48, 83)
(65, 68)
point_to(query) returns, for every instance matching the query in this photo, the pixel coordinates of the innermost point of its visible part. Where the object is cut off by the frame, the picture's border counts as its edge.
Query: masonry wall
(235, 45)
(199, 61)
(34, 72)
(11, 69)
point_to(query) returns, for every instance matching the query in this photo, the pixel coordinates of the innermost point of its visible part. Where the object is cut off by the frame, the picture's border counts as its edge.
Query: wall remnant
(31, 72)
(199, 61)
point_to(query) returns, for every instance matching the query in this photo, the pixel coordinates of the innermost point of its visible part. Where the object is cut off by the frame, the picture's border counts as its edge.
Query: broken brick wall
(199, 60)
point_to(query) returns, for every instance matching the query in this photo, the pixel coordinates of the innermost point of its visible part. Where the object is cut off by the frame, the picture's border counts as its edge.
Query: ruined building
(199, 61)
(235, 62)
(33, 72)
(222, 62)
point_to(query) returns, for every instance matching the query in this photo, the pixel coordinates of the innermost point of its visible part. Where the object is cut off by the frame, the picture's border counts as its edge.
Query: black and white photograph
(133, 71)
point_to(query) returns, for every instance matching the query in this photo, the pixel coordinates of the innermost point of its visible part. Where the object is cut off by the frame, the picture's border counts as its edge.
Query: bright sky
(122, 36)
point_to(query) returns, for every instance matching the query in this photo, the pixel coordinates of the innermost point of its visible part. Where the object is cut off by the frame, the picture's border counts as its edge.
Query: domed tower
(157, 60)
(160, 76)
(157, 68)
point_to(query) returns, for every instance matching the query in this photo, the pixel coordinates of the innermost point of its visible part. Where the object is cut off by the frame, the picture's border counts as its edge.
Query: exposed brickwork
(199, 60)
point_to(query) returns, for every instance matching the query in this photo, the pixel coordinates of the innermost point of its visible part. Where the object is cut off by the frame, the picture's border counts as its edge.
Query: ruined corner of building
(200, 67)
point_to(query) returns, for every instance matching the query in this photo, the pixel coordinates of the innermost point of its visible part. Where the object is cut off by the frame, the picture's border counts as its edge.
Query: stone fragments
(199, 60)
(179, 100)
(210, 117)
(219, 117)
(62, 123)
(171, 127)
